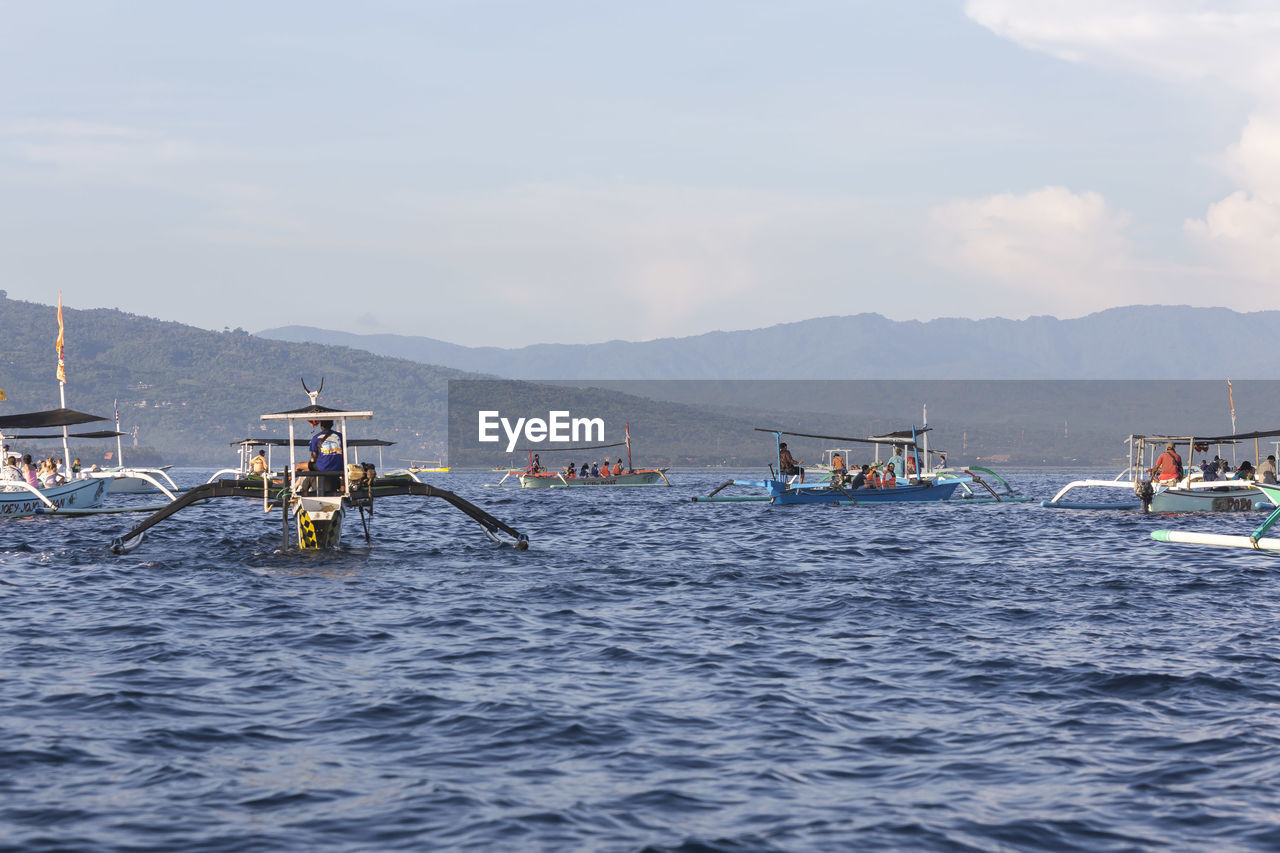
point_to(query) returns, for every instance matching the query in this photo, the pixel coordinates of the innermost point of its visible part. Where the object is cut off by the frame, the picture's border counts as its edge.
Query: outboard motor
(1145, 494)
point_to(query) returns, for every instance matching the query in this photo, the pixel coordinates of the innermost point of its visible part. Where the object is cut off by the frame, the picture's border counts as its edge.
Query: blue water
(652, 675)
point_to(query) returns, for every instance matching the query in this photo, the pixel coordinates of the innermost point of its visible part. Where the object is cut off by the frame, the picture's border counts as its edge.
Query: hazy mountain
(1137, 342)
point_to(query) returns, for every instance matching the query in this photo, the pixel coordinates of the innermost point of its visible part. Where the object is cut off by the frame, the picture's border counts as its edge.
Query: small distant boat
(1191, 493)
(533, 478)
(427, 466)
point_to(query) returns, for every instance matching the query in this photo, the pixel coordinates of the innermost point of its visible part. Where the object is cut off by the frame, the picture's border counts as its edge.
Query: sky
(506, 173)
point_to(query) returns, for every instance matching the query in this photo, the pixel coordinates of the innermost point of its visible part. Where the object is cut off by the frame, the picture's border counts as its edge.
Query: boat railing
(143, 474)
(23, 485)
(1085, 484)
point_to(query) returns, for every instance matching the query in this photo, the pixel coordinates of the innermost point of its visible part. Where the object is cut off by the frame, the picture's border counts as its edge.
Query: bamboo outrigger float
(1255, 541)
(1191, 493)
(319, 500)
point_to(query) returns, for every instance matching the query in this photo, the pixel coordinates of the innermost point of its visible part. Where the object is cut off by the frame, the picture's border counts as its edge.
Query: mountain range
(1135, 342)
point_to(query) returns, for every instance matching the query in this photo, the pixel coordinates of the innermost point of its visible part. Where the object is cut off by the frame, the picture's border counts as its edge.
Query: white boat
(533, 477)
(314, 504)
(1191, 493)
(19, 499)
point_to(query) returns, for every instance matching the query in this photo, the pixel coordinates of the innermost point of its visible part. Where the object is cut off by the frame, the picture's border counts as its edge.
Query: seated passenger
(889, 480)
(570, 473)
(859, 479)
(617, 468)
(1245, 471)
(595, 470)
(584, 472)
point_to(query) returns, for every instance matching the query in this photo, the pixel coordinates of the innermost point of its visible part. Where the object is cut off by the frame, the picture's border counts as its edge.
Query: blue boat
(833, 489)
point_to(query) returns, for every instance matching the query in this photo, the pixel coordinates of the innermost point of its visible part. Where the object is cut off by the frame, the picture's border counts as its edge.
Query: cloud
(1052, 248)
(1229, 43)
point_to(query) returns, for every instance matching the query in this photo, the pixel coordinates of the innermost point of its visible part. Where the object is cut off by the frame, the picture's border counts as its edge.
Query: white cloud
(1050, 248)
(1229, 43)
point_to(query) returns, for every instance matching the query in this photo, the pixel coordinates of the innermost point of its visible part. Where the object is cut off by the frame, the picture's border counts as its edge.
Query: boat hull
(648, 477)
(1202, 500)
(936, 491)
(78, 494)
(319, 522)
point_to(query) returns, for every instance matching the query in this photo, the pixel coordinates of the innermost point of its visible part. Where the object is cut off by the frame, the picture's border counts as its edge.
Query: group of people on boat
(882, 475)
(1168, 469)
(594, 470)
(1220, 469)
(44, 474)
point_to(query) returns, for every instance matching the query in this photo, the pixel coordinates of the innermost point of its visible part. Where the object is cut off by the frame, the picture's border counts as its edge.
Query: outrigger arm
(238, 488)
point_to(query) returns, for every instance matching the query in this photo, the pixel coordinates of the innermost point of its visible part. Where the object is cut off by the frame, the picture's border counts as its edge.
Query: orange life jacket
(888, 481)
(875, 479)
(617, 468)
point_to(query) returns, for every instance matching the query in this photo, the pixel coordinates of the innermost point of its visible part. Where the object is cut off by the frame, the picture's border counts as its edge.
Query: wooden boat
(314, 504)
(427, 466)
(79, 494)
(1190, 494)
(531, 478)
(1255, 541)
(834, 487)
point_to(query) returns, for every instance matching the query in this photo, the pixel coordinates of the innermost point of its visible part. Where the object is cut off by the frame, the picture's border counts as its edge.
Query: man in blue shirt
(899, 464)
(326, 455)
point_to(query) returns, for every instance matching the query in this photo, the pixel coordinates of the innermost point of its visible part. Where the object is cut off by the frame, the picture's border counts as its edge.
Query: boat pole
(62, 388)
(628, 435)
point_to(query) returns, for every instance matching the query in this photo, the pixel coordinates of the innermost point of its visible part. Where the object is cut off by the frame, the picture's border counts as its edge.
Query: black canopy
(44, 420)
(102, 433)
(304, 442)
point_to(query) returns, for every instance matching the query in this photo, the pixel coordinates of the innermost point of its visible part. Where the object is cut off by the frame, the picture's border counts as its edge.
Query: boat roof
(898, 437)
(541, 450)
(1211, 439)
(102, 433)
(50, 418)
(304, 442)
(317, 413)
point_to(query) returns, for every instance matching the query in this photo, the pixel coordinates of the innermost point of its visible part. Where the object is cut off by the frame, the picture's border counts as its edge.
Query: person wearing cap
(789, 465)
(1168, 467)
(1267, 470)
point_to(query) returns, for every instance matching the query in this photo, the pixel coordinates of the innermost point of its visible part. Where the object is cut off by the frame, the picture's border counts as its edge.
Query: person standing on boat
(837, 463)
(896, 463)
(789, 465)
(537, 464)
(1168, 467)
(1267, 471)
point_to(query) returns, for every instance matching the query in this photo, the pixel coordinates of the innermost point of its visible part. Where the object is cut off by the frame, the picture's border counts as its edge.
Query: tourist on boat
(617, 468)
(30, 472)
(570, 472)
(890, 479)
(1267, 471)
(859, 479)
(1245, 471)
(1168, 467)
(537, 464)
(604, 469)
(48, 474)
(11, 471)
(326, 455)
(896, 463)
(873, 482)
(789, 464)
(595, 470)
(584, 472)
(837, 462)
(1208, 471)
(75, 467)
(258, 464)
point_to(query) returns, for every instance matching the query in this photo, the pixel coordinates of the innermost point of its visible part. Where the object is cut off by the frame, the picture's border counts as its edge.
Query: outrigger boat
(427, 466)
(78, 495)
(1255, 541)
(245, 447)
(928, 485)
(1192, 493)
(319, 500)
(529, 478)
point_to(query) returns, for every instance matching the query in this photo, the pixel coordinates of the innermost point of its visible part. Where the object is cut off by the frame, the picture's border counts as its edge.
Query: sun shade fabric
(44, 420)
(102, 433)
(306, 442)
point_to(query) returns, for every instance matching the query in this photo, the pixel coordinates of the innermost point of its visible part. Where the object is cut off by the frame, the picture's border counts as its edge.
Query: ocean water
(652, 674)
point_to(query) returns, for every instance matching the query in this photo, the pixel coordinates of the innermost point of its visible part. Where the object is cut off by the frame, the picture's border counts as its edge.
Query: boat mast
(119, 445)
(62, 389)
(628, 440)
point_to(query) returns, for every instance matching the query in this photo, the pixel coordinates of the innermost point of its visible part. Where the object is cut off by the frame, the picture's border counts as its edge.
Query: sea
(653, 674)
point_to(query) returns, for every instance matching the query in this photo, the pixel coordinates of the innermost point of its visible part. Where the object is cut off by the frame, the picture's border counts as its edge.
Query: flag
(62, 364)
(117, 414)
(1, 395)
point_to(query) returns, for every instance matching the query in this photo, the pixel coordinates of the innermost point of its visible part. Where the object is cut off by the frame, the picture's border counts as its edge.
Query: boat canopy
(899, 437)
(1210, 439)
(102, 433)
(317, 413)
(305, 442)
(44, 420)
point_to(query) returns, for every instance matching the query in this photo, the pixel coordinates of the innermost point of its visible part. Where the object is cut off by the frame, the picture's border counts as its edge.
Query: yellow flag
(1, 395)
(62, 364)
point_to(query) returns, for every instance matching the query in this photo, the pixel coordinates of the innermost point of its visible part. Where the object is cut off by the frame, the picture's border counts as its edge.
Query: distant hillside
(1138, 342)
(190, 391)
